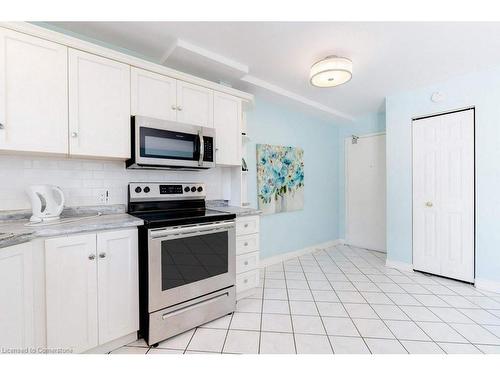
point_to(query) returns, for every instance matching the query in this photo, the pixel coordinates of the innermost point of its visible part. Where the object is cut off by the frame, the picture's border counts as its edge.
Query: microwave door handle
(202, 148)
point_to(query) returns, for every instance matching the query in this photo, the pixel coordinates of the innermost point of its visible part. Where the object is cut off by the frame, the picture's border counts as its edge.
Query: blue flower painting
(280, 178)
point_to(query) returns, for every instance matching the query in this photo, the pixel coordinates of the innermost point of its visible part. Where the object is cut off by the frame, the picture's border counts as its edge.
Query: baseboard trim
(487, 285)
(112, 345)
(292, 254)
(399, 265)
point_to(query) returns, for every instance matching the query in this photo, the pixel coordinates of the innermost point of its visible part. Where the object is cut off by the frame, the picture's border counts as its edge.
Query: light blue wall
(481, 90)
(277, 124)
(368, 124)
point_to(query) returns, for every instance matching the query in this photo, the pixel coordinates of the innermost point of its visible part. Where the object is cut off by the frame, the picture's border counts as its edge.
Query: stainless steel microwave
(162, 144)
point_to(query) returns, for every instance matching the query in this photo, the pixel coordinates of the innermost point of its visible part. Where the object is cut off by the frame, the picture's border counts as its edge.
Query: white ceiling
(387, 57)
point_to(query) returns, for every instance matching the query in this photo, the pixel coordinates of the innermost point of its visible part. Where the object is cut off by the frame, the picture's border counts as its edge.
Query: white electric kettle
(47, 202)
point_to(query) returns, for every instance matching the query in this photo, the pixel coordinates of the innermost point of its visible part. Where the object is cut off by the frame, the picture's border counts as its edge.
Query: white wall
(482, 90)
(82, 180)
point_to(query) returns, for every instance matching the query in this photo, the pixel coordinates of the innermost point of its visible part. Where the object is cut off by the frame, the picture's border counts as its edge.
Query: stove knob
(200, 189)
(138, 189)
(147, 189)
(193, 189)
(186, 189)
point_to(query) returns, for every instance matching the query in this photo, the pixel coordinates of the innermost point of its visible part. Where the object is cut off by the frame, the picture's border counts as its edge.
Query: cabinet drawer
(247, 225)
(247, 280)
(247, 244)
(247, 262)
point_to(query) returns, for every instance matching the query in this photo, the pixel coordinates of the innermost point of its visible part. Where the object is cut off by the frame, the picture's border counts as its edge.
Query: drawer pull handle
(246, 243)
(246, 263)
(246, 225)
(245, 281)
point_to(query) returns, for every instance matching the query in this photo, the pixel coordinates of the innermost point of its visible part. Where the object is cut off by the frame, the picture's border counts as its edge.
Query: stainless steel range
(186, 258)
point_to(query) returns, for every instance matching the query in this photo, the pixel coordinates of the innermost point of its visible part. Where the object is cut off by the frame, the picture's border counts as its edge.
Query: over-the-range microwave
(162, 144)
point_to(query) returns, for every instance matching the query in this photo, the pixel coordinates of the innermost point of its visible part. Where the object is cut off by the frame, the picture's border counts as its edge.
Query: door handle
(91, 257)
(202, 148)
(428, 204)
(102, 255)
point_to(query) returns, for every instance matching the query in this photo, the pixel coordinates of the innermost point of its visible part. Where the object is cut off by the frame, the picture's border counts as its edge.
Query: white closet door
(365, 193)
(443, 195)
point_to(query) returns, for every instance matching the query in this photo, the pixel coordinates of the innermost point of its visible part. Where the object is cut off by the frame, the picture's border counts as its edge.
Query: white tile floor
(344, 300)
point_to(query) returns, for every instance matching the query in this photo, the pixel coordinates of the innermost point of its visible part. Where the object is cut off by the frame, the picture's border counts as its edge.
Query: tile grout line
(262, 308)
(437, 343)
(356, 258)
(227, 331)
(289, 307)
(415, 322)
(316, 305)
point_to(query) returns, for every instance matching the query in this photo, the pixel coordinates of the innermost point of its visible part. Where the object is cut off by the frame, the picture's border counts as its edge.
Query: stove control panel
(166, 191)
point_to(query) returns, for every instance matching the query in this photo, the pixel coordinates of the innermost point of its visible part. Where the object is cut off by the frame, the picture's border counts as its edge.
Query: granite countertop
(78, 223)
(223, 206)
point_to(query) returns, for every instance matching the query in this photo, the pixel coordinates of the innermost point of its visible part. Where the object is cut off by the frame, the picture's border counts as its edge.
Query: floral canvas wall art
(280, 178)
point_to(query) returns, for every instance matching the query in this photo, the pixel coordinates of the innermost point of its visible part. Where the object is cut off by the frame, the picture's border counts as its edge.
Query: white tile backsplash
(83, 180)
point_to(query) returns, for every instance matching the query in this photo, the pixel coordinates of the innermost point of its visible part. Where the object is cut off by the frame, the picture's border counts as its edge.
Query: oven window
(165, 144)
(190, 259)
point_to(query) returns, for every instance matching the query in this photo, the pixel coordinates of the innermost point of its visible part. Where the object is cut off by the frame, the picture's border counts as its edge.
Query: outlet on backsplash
(103, 196)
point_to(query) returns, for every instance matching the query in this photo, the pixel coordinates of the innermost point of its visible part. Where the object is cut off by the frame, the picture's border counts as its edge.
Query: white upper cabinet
(33, 94)
(16, 297)
(118, 291)
(195, 104)
(227, 124)
(99, 106)
(153, 95)
(71, 292)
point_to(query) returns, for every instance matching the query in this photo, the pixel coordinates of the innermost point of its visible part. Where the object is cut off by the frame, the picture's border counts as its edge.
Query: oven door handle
(219, 227)
(195, 306)
(202, 148)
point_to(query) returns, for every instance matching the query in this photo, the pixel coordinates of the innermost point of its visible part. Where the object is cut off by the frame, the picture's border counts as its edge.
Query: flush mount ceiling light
(331, 71)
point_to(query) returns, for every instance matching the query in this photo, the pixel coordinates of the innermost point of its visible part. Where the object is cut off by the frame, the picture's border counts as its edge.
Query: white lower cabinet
(71, 292)
(91, 289)
(118, 288)
(247, 255)
(16, 297)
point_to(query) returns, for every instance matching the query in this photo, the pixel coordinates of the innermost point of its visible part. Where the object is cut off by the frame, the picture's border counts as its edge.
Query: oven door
(190, 261)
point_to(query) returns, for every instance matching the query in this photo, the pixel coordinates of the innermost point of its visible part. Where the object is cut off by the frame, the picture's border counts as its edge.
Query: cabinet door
(71, 292)
(227, 124)
(16, 297)
(153, 95)
(99, 106)
(195, 104)
(33, 94)
(118, 284)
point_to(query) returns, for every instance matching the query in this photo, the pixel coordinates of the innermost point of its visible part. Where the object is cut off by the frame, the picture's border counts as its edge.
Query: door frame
(346, 183)
(421, 117)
